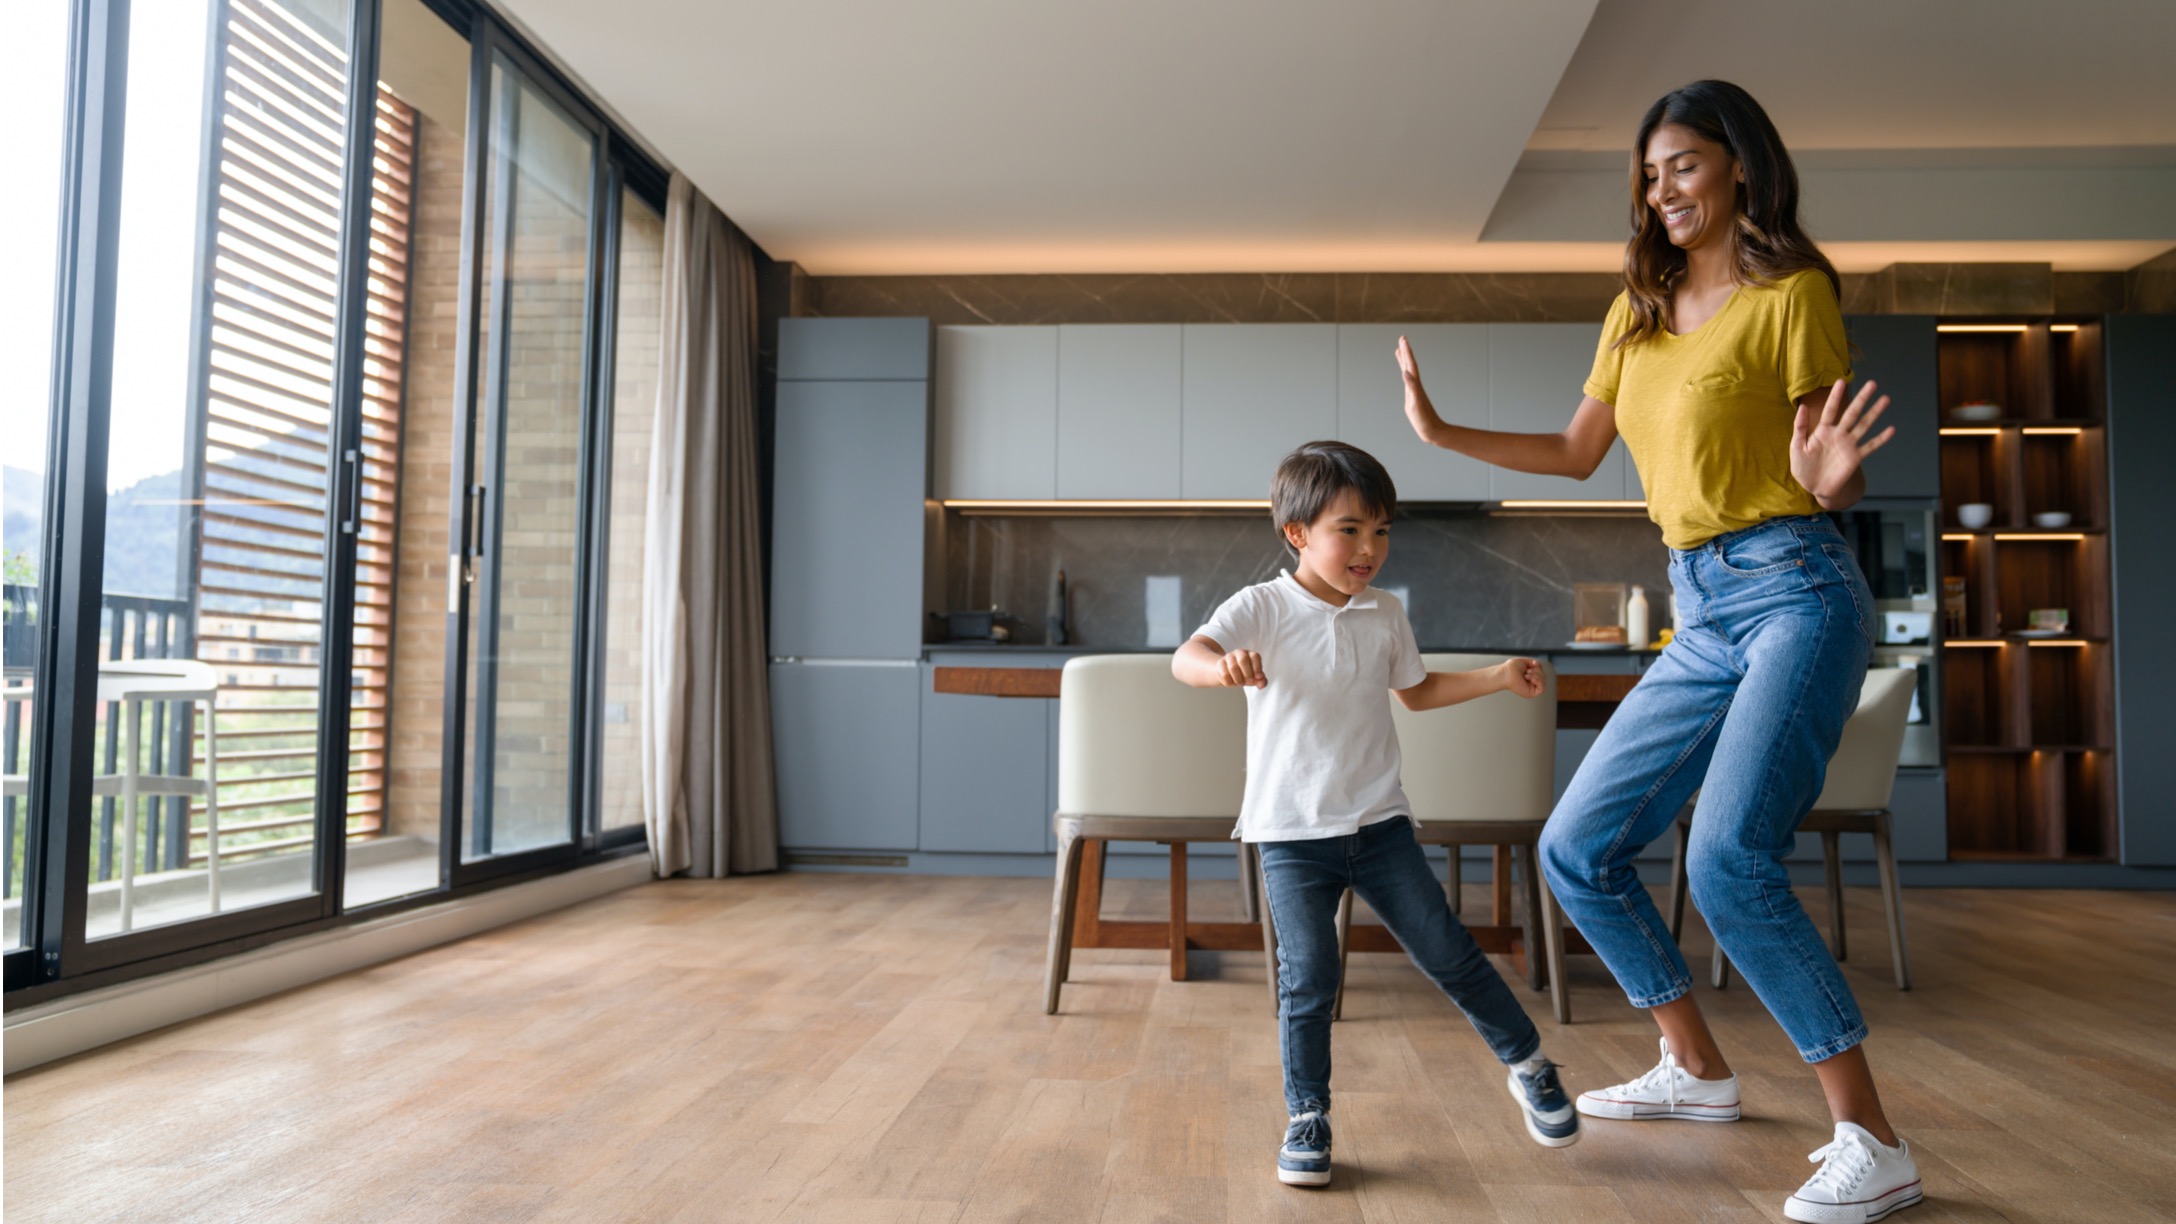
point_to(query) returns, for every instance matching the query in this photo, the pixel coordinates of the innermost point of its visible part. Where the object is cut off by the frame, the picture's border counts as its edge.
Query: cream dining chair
(1141, 757)
(1482, 773)
(1855, 799)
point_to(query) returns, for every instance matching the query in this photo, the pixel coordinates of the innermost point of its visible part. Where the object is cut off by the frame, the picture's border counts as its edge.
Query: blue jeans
(1385, 866)
(1745, 706)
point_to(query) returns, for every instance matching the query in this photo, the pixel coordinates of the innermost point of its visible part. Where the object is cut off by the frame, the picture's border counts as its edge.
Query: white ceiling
(982, 136)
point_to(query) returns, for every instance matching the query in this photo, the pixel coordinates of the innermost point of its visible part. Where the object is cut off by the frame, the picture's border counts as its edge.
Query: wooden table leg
(1178, 911)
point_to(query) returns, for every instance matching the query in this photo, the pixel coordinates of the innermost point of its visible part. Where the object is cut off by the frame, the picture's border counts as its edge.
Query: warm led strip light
(1528, 504)
(2039, 535)
(1085, 506)
(1971, 642)
(2062, 327)
(2051, 430)
(2058, 642)
(1985, 431)
(1979, 327)
(1958, 535)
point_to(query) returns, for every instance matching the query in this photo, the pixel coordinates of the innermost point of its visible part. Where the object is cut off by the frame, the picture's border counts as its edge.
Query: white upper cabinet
(1252, 393)
(996, 413)
(1119, 411)
(1371, 403)
(1535, 375)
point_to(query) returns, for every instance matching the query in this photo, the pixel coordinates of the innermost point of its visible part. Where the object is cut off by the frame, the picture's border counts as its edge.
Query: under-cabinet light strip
(1979, 327)
(1115, 504)
(1957, 432)
(1959, 535)
(2039, 535)
(2062, 327)
(1530, 504)
(2051, 430)
(2059, 642)
(1971, 642)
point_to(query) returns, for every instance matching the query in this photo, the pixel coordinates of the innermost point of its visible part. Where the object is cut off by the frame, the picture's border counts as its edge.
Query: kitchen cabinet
(1535, 372)
(1898, 351)
(985, 772)
(1371, 399)
(846, 742)
(846, 537)
(1253, 392)
(2141, 370)
(1119, 411)
(853, 349)
(996, 413)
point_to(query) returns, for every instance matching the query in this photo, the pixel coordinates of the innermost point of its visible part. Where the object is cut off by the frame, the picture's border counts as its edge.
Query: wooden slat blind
(274, 264)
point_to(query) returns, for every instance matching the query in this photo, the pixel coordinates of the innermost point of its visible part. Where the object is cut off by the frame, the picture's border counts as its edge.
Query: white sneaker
(1668, 1091)
(1860, 1181)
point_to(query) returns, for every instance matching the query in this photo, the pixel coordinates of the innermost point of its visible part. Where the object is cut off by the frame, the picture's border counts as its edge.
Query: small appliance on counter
(994, 625)
(1598, 616)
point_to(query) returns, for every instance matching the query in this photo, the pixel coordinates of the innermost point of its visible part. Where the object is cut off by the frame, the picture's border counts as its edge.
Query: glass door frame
(55, 937)
(476, 509)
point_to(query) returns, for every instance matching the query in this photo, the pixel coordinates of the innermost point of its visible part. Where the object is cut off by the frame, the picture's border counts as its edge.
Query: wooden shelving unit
(2030, 720)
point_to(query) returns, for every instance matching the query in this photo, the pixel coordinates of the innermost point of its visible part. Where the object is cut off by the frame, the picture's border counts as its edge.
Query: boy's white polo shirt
(1322, 754)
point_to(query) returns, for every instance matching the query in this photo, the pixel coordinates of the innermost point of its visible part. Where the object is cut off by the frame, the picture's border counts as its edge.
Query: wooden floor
(830, 1047)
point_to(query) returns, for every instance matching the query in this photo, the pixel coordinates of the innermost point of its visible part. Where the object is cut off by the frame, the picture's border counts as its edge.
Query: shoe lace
(1310, 1132)
(1543, 1084)
(1663, 1075)
(1845, 1162)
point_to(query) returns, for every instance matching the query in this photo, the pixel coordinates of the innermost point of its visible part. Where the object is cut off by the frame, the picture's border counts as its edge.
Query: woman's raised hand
(1408, 364)
(1418, 411)
(1828, 446)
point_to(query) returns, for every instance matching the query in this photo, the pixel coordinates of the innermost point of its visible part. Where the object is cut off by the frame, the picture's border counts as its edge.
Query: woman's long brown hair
(1766, 239)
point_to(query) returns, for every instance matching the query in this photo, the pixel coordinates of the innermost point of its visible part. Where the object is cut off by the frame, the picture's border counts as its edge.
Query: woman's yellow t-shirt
(1707, 415)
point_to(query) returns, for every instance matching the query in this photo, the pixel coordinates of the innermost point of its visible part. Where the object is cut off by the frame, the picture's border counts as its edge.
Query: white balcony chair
(1142, 757)
(1855, 799)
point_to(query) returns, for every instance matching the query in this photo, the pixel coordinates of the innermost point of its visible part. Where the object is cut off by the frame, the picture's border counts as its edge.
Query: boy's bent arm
(1200, 663)
(1521, 676)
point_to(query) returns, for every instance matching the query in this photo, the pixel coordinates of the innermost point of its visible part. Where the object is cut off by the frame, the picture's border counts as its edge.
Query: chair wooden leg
(1537, 966)
(1552, 948)
(1250, 897)
(1719, 968)
(1682, 830)
(1178, 911)
(1269, 935)
(1832, 863)
(1499, 885)
(1454, 888)
(1065, 892)
(1892, 900)
(1344, 950)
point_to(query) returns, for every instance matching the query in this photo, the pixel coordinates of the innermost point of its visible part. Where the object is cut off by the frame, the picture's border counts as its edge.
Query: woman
(1728, 321)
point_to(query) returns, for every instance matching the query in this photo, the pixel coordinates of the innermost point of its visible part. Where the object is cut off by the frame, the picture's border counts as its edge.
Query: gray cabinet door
(1253, 393)
(846, 739)
(985, 772)
(1371, 403)
(846, 539)
(1535, 372)
(1119, 411)
(1898, 352)
(996, 413)
(2141, 358)
(884, 349)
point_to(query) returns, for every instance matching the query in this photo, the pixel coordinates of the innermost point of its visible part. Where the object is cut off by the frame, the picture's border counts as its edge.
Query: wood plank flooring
(859, 1048)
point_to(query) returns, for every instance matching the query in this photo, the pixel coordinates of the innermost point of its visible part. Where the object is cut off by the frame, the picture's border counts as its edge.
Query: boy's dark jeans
(1384, 864)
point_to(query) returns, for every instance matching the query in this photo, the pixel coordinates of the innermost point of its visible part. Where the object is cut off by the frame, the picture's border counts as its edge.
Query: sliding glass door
(526, 540)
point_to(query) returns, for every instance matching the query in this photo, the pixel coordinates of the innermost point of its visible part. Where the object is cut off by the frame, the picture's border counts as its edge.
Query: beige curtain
(707, 791)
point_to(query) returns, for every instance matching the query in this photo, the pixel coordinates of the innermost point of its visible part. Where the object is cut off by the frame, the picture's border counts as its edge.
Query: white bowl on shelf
(1975, 515)
(1977, 412)
(2051, 519)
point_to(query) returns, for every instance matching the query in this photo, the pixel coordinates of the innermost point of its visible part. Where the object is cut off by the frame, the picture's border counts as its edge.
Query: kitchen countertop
(1004, 648)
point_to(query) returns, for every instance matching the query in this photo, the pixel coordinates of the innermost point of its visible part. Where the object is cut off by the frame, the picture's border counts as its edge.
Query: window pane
(535, 296)
(416, 260)
(219, 459)
(32, 93)
(634, 411)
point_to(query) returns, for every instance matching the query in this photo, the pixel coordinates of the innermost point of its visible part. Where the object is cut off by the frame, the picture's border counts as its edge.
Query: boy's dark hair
(1310, 478)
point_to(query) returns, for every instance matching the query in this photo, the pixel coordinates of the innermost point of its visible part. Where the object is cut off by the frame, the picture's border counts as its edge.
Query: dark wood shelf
(2028, 780)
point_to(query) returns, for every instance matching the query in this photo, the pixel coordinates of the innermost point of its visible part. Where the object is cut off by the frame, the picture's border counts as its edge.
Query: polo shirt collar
(1308, 599)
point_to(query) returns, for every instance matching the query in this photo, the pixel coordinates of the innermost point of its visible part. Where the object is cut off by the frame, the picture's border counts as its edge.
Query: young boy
(1316, 649)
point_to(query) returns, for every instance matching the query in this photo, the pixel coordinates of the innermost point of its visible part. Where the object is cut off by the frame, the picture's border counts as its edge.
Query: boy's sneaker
(1304, 1160)
(1550, 1118)
(1668, 1091)
(1860, 1181)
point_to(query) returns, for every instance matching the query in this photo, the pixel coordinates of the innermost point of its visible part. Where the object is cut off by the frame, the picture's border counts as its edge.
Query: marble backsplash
(1467, 577)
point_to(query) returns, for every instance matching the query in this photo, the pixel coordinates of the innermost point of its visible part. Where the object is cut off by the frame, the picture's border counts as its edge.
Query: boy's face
(1342, 550)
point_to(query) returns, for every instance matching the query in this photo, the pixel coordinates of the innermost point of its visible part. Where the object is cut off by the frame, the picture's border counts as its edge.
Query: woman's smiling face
(1692, 186)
